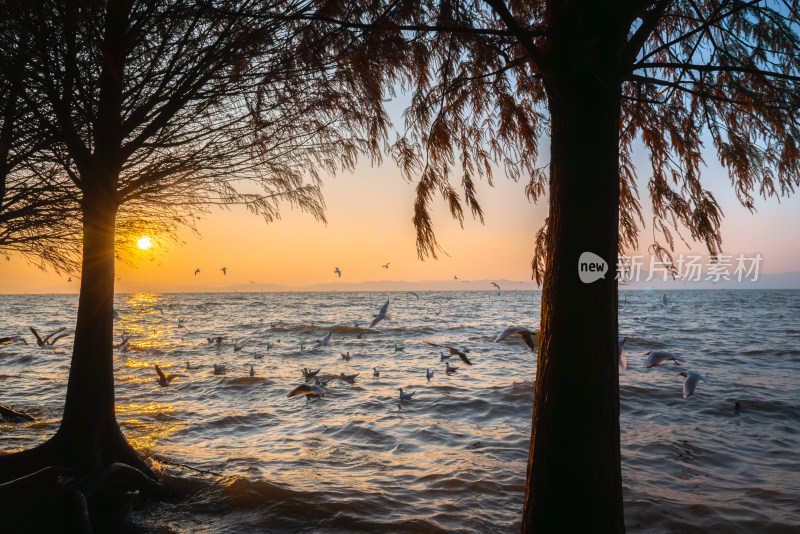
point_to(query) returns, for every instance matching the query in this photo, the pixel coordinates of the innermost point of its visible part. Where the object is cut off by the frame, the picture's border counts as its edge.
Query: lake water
(453, 458)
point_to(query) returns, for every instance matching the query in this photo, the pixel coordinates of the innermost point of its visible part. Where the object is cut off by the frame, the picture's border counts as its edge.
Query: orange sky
(369, 223)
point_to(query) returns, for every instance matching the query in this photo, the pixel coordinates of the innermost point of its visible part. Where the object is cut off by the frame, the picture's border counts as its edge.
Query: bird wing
(430, 344)
(64, 334)
(507, 332)
(529, 339)
(161, 374)
(375, 321)
(301, 390)
(384, 308)
(51, 334)
(39, 340)
(463, 357)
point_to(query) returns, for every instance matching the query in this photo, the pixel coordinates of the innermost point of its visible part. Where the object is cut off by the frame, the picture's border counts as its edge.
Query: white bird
(495, 285)
(382, 314)
(657, 357)
(346, 356)
(252, 371)
(164, 380)
(324, 342)
(189, 367)
(375, 372)
(621, 361)
(405, 396)
(237, 347)
(398, 348)
(49, 340)
(452, 350)
(309, 390)
(428, 374)
(257, 356)
(442, 357)
(181, 325)
(224, 271)
(691, 381)
(337, 271)
(528, 336)
(414, 294)
(349, 378)
(196, 271)
(449, 369)
(219, 369)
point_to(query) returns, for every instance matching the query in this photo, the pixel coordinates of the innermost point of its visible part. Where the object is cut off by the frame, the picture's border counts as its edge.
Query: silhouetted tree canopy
(693, 76)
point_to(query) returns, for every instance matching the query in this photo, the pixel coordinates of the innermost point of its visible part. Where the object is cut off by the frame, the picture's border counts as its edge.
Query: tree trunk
(574, 476)
(89, 407)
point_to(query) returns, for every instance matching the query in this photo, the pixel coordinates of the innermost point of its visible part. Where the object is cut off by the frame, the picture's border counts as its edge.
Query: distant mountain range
(788, 280)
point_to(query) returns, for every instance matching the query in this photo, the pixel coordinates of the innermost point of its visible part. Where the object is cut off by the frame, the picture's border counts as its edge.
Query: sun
(145, 243)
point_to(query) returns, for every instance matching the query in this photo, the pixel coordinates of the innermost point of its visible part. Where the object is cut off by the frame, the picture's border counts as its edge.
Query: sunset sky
(369, 223)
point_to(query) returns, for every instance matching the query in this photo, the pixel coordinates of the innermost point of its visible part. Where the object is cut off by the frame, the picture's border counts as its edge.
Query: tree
(488, 79)
(172, 105)
(34, 205)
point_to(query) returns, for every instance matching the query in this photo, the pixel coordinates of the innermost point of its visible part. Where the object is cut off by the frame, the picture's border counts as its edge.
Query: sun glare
(145, 243)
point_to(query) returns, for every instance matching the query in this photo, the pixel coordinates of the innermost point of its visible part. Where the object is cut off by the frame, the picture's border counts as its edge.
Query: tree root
(58, 489)
(57, 499)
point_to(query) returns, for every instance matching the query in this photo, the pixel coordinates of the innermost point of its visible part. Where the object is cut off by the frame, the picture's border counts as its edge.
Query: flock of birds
(314, 385)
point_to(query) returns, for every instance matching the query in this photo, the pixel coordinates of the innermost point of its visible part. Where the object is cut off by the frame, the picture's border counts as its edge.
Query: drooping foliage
(694, 76)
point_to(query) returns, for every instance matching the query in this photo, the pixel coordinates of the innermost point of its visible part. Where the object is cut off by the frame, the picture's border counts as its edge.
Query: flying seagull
(452, 350)
(657, 357)
(337, 271)
(691, 381)
(528, 335)
(309, 390)
(382, 314)
(414, 294)
(224, 271)
(386, 265)
(164, 380)
(495, 285)
(47, 342)
(196, 271)
(125, 343)
(324, 342)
